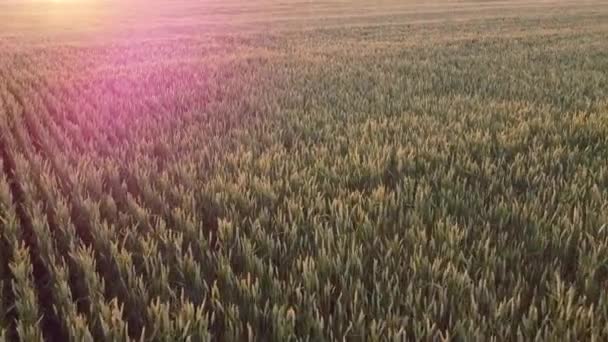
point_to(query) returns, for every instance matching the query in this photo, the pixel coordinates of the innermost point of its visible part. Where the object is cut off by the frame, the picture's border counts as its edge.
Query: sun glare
(66, 15)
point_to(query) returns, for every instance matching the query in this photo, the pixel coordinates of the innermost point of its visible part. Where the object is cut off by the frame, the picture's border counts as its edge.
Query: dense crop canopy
(375, 177)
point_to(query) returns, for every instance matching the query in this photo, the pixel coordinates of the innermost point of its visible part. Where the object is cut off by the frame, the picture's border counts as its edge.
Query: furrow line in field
(68, 188)
(51, 153)
(8, 313)
(44, 214)
(46, 151)
(88, 231)
(46, 111)
(51, 326)
(108, 265)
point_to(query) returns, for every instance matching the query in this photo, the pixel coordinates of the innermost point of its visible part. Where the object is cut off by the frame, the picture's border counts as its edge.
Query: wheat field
(303, 170)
